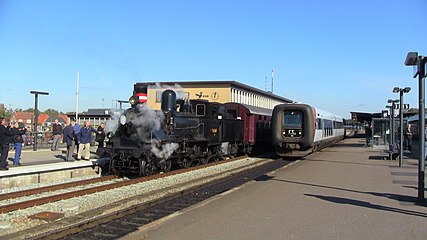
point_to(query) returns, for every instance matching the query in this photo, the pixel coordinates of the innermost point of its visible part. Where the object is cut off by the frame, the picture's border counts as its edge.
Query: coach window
(200, 109)
(232, 113)
(292, 119)
(319, 123)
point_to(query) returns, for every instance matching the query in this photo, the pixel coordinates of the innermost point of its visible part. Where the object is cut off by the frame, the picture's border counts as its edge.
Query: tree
(51, 112)
(2, 110)
(31, 110)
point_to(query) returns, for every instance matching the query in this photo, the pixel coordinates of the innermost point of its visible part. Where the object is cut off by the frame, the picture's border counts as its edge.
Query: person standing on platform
(5, 139)
(76, 134)
(100, 137)
(57, 131)
(368, 135)
(407, 133)
(85, 138)
(69, 137)
(18, 140)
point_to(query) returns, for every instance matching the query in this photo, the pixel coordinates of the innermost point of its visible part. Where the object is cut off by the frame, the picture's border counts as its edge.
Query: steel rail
(78, 193)
(28, 192)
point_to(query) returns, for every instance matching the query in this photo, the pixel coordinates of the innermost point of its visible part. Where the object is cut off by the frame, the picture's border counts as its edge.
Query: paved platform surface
(343, 192)
(45, 160)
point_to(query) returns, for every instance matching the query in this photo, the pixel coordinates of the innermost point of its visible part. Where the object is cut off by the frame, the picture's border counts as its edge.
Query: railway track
(128, 219)
(67, 195)
(151, 204)
(29, 192)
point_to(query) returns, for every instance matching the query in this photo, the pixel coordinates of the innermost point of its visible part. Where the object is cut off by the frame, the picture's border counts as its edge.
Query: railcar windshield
(292, 119)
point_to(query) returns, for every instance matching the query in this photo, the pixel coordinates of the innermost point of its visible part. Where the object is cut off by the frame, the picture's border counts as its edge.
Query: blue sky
(340, 56)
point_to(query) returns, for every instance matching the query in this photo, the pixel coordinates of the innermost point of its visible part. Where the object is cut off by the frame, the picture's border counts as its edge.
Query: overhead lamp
(393, 101)
(411, 59)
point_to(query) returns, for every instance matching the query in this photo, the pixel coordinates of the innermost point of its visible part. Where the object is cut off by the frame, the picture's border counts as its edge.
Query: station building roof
(213, 84)
(364, 116)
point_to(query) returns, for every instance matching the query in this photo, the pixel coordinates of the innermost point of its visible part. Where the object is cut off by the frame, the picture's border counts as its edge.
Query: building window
(159, 96)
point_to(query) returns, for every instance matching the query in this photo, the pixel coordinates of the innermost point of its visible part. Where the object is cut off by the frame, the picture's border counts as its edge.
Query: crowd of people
(75, 137)
(10, 133)
(78, 139)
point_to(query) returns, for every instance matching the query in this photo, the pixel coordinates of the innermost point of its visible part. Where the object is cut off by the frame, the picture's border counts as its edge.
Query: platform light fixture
(393, 106)
(413, 59)
(389, 117)
(36, 114)
(401, 91)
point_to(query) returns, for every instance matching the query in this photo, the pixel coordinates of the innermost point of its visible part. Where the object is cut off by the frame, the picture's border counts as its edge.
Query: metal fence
(44, 140)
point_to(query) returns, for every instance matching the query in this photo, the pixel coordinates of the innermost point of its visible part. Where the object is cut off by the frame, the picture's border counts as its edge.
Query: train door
(250, 128)
(319, 130)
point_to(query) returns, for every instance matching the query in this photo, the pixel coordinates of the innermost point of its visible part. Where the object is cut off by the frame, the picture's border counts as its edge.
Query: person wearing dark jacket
(407, 134)
(5, 140)
(69, 136)
(18, 140)
(85, 138)
(99, 138)
(57, 131)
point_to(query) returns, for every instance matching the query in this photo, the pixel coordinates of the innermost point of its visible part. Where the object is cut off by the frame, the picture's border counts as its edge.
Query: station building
(214, 91)
(95, 116)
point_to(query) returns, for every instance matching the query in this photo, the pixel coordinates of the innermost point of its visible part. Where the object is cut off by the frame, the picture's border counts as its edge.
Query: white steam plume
(146, 121)
(178, 89)
(113, 123)
(163, 151)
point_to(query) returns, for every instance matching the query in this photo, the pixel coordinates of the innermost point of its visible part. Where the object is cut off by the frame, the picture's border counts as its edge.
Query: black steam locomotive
(183, 132)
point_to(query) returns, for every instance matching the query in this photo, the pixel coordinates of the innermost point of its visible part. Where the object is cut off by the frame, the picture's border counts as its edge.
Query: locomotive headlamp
(132, 100)
(109, 135)
(122, 119)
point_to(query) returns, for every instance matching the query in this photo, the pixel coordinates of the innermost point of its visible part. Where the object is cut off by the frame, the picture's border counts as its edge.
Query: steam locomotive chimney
(140, 92)
(168, 101)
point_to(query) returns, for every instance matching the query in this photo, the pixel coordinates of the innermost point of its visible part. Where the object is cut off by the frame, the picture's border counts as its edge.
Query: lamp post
(412, 59)
(393, 106)
(401, 91)
(389, 127)
(36, 114)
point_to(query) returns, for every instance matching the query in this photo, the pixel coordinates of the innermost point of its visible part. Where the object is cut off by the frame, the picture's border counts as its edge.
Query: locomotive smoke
(163, 151)
(180, 93)
(113, 123)
(146, 121)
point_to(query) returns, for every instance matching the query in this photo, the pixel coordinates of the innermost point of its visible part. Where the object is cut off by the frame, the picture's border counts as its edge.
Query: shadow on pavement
(397, 197)
(367, 205)
(341, 162)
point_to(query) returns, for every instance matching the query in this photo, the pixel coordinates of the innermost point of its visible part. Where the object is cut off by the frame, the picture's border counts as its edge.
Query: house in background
(62, 119)
(26, 118)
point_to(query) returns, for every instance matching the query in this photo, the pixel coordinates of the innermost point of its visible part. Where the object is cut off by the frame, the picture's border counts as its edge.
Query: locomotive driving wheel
(218, 154)
(146, 168)
(166, 166)
(112, 168)
(203, 160)
(184, 162)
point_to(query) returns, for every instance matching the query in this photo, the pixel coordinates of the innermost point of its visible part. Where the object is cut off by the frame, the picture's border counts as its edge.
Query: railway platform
(347, 191)
(46, 165)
